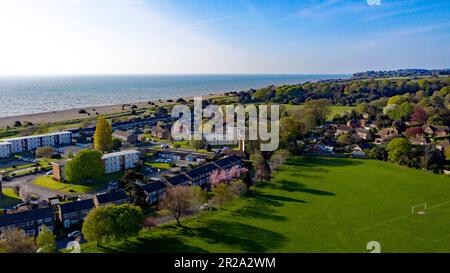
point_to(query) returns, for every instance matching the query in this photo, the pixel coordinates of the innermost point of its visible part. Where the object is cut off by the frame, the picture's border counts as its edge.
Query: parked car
(49, 173)
(74, 234)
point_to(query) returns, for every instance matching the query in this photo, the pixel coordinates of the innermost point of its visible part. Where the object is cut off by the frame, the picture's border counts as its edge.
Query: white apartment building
(5, 149)
(122, 160)
(30, 143)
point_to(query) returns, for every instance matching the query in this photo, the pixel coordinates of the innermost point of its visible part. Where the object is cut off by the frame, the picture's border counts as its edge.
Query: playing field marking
(406, 233)
(381, 224)
(440, 239)
(398, 218)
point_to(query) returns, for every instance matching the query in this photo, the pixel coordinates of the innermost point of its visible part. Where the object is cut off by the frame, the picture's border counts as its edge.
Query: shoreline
(72, 114)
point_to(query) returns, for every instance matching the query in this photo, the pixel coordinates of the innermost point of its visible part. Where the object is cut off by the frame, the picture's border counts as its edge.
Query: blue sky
(222, 36)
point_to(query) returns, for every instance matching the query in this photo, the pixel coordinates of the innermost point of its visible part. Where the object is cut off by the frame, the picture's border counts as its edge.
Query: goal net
(419, 209)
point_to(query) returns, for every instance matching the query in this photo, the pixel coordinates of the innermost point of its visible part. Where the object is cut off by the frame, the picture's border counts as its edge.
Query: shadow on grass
(7, 201)
(318, 164)
(292, 186)
(148, 243)
(244, 237)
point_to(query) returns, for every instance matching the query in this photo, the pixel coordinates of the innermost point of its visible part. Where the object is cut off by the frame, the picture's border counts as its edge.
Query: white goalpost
(419, 209)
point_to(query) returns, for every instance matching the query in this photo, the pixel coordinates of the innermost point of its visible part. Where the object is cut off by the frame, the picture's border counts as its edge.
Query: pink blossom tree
(217, 177)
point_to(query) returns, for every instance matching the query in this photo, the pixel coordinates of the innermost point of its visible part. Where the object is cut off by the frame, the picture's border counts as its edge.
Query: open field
(317, 205)
(335, 109)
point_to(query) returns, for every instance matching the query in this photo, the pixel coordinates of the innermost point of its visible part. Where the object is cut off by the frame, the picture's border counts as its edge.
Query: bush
(82, 111)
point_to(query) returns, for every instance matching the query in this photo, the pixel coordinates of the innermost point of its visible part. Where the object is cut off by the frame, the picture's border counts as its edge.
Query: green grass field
(8, 198)
(317, 205)
(335, 109)
(48, 182)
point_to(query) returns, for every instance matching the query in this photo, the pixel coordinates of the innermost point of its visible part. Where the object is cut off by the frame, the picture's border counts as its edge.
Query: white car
(74, 234)
(49, 173)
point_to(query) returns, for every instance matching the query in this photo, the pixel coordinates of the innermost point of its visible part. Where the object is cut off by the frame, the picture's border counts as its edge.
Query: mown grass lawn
(8, 198)
(317, 205)
(100, 184)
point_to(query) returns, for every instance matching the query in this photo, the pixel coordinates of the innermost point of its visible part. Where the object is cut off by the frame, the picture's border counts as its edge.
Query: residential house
(200, 176)
(31, 221)
(126, 136)
(436, 130)
(419, 139)
(342, 129)
(179, 180)
(441, 145)
(111, 198)
(228, 162)
(74, 213)
(362, 133)
(58, 168)
(154, 191)
(387, 134)
(162, 132)
(122, 160)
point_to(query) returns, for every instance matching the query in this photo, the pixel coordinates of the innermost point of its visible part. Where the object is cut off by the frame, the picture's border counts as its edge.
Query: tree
(413, 131)
(277, 159)
(177, 201)
(419, 116)
(86, 165)
(108, 223)
(25, 193)
(198, 198)
(447, 152)
(128, 182)
(432, 159)
(378, 152)
(102, 136)
(398, 150)
(237, 189)
(116, 144)
(222, 195)
(197, 144)
(46, 152)
(16, 241)
(261, 166)
(217, 177)
(320, 109)
(46, 240)
(17, 123)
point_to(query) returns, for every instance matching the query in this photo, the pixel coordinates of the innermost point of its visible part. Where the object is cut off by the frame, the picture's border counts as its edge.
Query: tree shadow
(317, 163)
(292, 186)
(149, 243)
(245, 237)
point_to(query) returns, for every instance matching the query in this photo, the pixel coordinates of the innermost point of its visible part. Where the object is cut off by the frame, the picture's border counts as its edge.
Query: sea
(36, 94)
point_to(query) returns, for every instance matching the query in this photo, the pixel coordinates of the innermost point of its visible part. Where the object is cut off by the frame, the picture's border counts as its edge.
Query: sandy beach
(73, 114)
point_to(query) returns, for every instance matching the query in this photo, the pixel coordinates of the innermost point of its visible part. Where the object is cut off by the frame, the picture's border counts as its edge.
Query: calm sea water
(27, 95)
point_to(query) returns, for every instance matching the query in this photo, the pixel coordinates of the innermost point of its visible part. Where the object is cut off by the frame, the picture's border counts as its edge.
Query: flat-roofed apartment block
(5, 149)
(30, 143)
(122, 160)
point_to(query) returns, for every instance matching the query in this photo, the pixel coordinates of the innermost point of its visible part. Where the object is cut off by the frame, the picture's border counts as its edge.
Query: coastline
(72, 114)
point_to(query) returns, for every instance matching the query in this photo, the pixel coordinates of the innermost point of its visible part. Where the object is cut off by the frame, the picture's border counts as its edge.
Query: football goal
(419, 209)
